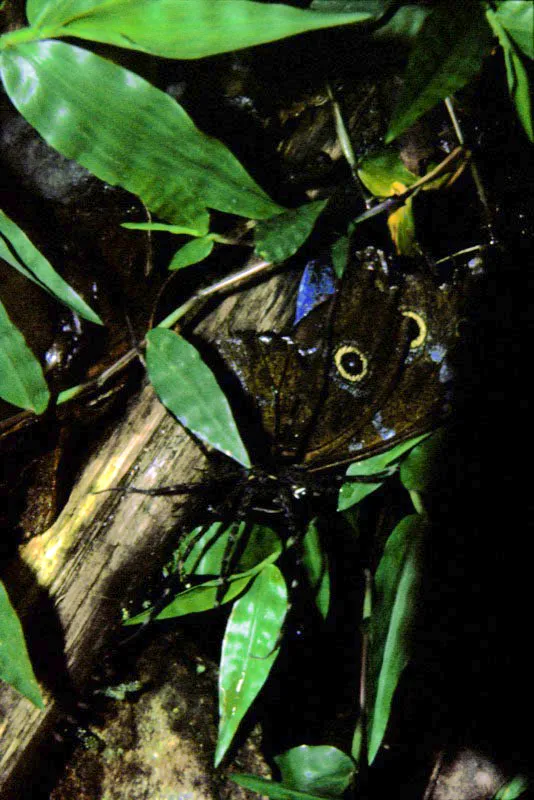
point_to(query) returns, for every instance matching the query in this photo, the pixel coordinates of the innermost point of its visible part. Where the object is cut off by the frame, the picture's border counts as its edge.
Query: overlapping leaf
(128, 133)
(352, 492)
(250, 648)
(26, 259)
(517, 16)
(397, 584)
(186, 385)
(181, 28)
(322, 770)
(15, 666)
(22, 381)
(315, 563)
(279, 237)
(447, 53)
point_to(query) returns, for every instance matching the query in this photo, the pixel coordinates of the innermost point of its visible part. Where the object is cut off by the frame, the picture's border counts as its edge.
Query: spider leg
(176, 488)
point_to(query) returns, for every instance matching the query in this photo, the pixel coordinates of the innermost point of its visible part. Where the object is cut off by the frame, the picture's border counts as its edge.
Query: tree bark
(70, 583)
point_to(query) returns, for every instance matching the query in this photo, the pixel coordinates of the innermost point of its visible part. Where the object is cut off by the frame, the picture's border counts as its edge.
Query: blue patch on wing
(317, 284)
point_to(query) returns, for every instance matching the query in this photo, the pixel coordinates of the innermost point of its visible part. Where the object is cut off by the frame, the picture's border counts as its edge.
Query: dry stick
(346, 147)
(225, 284)
(481, 192)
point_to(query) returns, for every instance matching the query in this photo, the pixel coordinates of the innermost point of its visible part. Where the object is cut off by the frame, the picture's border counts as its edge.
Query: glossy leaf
(514, 789)
(156, 152)
(204, 597)
(315, 563)
(192, 252)
(404, 25)
(181, 28)
(418, 470)
(278, 238)
(272, 789)
(447, 53)
(15, 666)
(187, 386)
(517, 16)
(383, 172)
(34, 266)
(397, 583)
(22, 381)
(322, 770)
(352, 492)
(516, 75)
(206, 555)
(263, 547)
(250, 648)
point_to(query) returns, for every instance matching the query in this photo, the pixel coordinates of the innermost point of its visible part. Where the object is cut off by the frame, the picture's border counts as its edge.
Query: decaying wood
(70, 583)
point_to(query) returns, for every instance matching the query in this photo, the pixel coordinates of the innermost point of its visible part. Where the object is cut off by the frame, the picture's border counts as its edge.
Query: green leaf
(187, 386)
(278, 238)
(397, 584)
(155, 152)
(321, 770)
(192, 252)
(22, 381)
(447, 53)
(513, 789)
(263, 547)
(160, 226)
(404, 26)
(15, 666)
(340, 252)
(516, 75)
(517, 16)
(273, 789)
(38, 269)
(419, 469)
(352, 492)
(204, 597)
(380, 172)
(250, 648)
(206, 555)
(181, 28)
(315, 563)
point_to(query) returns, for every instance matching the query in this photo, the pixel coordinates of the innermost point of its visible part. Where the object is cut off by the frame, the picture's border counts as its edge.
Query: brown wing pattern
(363, 371)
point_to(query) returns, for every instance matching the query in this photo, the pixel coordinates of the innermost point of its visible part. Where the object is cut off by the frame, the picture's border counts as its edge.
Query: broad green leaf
(513, 789)
(250, 648)
(517, 16)
(418, 469)
(315, 563)
(204, 597)
(128, 133)
(15, 666)
(340, 252)
(516, 75)
(447, 53)
(397, 584)
(192, 252)
(352, 492)
(187, 386)
(322, 770)
(405, 24)
(263, 548)
(383, 172)
(181, 28)
(272, 789)
(205, 553)
(22, 381)
(278, 238)
(37, 268)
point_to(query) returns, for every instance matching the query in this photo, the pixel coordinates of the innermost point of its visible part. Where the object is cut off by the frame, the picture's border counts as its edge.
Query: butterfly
(368, 368)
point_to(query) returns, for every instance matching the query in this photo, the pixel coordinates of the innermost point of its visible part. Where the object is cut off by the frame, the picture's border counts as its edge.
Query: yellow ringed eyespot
(350, 363)
(421, 328)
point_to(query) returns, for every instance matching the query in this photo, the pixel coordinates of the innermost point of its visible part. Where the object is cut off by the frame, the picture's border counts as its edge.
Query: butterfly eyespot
(351, 363)
(418, 329)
